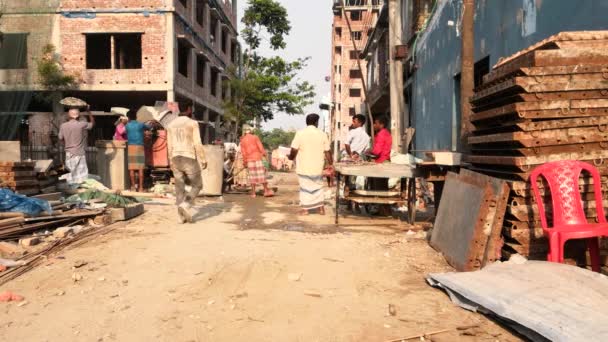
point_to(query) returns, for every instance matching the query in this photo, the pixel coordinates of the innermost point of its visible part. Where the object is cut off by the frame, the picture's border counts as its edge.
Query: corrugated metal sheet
(544, 301)
(502, 28)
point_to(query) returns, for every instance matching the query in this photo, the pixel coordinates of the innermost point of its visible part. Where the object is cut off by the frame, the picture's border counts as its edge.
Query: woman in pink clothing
(121, 132)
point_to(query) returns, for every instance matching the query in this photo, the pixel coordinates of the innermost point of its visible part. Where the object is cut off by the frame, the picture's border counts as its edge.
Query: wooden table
(403, 172)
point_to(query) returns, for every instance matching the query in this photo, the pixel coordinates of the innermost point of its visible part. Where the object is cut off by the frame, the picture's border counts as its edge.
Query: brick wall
(101, 4)
(73, 52)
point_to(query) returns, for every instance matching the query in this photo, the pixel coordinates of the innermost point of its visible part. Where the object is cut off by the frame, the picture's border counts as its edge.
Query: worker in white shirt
(357, 140)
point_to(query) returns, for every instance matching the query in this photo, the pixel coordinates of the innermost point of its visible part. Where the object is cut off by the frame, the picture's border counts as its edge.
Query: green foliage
(266, 85)
(269, 86)
(50, 72)
(269, 15)
(275, 138)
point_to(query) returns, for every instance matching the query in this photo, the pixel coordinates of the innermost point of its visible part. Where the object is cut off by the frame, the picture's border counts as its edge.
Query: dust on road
(248, 270)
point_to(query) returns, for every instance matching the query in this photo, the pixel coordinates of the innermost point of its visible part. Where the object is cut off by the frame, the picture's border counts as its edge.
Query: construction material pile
(546, 103)
(19, 177)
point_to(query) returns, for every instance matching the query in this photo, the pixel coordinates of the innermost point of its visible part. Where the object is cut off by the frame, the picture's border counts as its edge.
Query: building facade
(347, 69)
(126, 53)
(431, 30)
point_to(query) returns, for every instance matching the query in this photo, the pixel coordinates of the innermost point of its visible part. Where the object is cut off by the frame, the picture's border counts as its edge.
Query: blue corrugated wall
(502, 27)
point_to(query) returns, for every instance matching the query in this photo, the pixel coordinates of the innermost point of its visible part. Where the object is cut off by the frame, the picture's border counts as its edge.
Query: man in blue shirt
(136, 151)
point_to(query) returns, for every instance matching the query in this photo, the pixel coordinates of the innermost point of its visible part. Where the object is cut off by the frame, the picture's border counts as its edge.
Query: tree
(275, 138)
(266, 85)
(52, 78)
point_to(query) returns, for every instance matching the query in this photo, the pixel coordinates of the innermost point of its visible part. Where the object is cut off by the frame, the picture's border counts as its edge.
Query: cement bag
(213, 176)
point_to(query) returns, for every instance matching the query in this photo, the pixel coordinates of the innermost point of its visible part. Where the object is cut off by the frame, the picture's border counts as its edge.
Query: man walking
(74, 134)
(253, 152)
(187, 162)
(310, 148)
(357, 140)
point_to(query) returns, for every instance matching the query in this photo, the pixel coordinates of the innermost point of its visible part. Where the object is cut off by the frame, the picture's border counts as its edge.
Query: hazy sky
(310, 37)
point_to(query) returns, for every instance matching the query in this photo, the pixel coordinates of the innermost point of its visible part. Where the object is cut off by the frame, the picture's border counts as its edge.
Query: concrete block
(10, 151)
(127, 213)
(29, 242)
(8, 249)
(63, 232)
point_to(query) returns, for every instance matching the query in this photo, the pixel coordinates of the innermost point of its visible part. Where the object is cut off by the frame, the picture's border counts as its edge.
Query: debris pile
(543, 104)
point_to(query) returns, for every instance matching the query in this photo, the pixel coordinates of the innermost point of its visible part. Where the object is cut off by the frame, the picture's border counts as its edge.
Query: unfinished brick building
(125, 53)
(346, 77)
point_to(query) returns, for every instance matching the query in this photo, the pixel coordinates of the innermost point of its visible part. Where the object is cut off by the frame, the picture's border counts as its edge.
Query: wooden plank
(11, 164)
(19, 183)
(55, 196)
(376, 170)
(16, 174)
(70, 216)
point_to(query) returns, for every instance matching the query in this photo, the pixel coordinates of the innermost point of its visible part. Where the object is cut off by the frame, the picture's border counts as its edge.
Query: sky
(310, 37)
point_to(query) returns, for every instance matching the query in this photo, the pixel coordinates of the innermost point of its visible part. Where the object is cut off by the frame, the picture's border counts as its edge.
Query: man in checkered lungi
(74, 135)
(253, 152)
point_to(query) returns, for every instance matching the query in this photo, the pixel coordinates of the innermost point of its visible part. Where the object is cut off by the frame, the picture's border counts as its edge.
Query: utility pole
(399, 117)
(467, 73)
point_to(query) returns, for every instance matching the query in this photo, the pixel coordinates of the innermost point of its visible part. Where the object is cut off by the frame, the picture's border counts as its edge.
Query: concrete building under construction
(352, 25)
(125, 53)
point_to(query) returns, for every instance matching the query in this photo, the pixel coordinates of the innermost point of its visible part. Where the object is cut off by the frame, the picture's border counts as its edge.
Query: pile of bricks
(19, 177)
(545, 103)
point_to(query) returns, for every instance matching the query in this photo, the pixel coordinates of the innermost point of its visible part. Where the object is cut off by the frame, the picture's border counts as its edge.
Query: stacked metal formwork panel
(545, 103)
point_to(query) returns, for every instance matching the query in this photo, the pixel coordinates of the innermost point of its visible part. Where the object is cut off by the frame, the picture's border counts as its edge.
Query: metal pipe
(467, 78)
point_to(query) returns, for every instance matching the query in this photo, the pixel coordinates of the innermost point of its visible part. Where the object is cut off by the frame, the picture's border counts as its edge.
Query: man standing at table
(357, 140)
(310, 148)
(381, 152)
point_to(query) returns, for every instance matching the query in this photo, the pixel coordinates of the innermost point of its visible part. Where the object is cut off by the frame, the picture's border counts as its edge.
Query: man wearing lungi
(187, 162)
(310, 148)
(253, 153)
(74, 134)
(135, 150)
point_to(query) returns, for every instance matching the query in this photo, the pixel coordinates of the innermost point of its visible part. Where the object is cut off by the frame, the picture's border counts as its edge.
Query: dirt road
(248, 270)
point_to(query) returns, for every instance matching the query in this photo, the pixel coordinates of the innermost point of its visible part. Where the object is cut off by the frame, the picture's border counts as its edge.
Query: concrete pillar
(206, 121)
(218, 130)
(171, 56)
(207, 78)
(228, 46)
(218, 35)
(207, 21)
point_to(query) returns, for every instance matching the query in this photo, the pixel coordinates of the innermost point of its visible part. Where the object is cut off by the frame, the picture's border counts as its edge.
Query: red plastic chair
(569, 219)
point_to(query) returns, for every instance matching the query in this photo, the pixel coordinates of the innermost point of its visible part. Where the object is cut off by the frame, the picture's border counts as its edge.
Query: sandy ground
(227, 278)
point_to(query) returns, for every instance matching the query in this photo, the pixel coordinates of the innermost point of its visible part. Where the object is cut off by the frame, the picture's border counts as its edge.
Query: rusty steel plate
(537, 150)
(459, 234)
(526, 163)
(552, 137)
(497, 76)
(529, 125)
(498, 101)
(550, 43)
(543, 84)
(546, 109)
